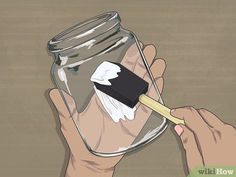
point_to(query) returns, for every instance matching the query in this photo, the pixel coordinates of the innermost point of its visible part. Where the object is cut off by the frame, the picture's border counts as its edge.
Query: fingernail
(179, 130)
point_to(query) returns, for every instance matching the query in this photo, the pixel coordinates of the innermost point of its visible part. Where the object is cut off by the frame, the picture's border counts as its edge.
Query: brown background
(197, 39)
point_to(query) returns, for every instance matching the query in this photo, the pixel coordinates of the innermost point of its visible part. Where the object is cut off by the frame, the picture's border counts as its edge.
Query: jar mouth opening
(80, 32)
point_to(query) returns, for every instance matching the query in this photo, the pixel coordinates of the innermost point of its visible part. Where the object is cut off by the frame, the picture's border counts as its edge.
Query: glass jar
(78, 51)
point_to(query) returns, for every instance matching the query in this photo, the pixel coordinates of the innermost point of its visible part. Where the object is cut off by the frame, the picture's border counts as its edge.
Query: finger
(149, 53)
(142, 110)
(131, 56)
(68, 126)
(193, 155)
(211, 119)
(59, 104)
(158, 68)
(193, 121)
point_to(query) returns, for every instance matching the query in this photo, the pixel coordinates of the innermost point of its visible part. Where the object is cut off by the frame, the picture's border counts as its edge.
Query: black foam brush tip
(126, 88)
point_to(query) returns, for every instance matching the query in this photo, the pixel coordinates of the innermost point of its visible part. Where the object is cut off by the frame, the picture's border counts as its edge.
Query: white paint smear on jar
(117, 110)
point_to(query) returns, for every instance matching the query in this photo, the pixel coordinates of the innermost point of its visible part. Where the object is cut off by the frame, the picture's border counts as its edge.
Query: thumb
(193, 155)
(68, 127)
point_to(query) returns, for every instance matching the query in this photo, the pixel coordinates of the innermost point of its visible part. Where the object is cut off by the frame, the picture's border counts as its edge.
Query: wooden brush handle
(158, 107)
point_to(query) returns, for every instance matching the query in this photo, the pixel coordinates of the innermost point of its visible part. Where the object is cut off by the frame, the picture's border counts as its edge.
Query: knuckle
(229, 128)
(188, 138)
(202, 110)
(190, 135)
(140, 63)
(159, 80)
(62, 129)
(189, 110)
(185, 140)
(61, 115)
(217, 134)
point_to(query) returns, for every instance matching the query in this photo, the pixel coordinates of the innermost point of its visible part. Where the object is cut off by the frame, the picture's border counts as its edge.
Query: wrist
(86, 169)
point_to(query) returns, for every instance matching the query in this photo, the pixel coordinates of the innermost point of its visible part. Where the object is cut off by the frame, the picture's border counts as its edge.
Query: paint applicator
(129, 89)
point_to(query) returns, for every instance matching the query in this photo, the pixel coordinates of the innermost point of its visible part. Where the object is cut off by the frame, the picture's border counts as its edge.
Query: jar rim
(99, 22)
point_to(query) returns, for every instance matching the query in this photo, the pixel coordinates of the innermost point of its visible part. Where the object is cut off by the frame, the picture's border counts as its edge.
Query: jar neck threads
(88, 35)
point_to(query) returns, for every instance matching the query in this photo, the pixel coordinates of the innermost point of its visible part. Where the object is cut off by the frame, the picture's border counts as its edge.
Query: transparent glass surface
(78, 51)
